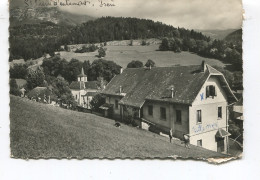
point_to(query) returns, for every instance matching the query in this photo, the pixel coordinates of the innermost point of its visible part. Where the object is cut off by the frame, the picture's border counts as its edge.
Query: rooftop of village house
(136, 85)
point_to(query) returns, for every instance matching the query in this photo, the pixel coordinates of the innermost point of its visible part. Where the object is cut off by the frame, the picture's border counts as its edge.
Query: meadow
(123, 54)
(43, 131)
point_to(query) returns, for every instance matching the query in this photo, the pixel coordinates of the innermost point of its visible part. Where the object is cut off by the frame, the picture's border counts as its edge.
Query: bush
(14, 90)
(97, 101)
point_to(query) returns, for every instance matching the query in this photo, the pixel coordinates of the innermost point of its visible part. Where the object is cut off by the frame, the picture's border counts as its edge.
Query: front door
(220, 145)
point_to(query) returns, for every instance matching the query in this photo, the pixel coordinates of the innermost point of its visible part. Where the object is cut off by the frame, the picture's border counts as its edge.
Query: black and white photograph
(116, 79)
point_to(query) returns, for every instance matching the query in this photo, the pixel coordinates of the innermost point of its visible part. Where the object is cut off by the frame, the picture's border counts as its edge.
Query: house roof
(141, 84)
(91, 93)
(91, 85)
(221, 133)
(21, 83)
(77, 85)
(38, 91)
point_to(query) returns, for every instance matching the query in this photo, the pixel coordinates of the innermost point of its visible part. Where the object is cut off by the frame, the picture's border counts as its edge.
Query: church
(83, 90)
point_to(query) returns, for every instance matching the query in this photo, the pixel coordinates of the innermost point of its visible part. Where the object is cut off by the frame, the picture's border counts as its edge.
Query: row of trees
(139, 64)
(56, 66)
(219, 49)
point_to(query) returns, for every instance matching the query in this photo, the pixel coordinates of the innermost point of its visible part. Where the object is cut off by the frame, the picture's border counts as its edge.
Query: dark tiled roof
(38, 91)
(140, 84)
(91, 93)
(91, 85)
(21, 83)
(77, 85)
(221, 133)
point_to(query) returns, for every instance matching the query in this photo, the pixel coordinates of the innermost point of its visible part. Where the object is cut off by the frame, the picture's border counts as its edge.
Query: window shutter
(212, 91)
(215, 92)
(207, 91)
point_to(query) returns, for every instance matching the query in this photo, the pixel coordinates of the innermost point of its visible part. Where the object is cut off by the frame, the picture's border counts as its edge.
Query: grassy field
(122, 55)
(44, 131)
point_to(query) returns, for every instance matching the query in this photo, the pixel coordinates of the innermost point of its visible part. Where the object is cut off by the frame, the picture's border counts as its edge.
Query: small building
(190, 100)
(83, 90)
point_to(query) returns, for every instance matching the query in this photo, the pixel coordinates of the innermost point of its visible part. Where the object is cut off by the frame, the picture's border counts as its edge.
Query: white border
(247, 168)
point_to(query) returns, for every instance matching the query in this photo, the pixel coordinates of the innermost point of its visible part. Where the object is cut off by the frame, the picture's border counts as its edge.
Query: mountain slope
(25, 15)
(216, 34)
(235, 37)
(40, 130)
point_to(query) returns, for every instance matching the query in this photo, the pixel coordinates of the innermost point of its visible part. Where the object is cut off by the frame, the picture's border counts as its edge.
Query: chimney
(120, 89)
(121, 70)
(203, 66)
(172, 91)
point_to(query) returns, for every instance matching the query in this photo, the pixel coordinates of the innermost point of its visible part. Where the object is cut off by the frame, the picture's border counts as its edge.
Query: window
(219, 112)
(211, 91)
(163, 113)
(199, 142)
(178, 116)
(199, 116)
(76, 96)
(116, 104)
(150, 110)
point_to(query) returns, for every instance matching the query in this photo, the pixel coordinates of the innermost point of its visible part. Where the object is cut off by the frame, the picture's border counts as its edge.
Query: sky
(191, 14)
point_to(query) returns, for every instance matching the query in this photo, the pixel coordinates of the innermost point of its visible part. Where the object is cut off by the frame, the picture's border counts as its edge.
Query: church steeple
(82, 76)
(82, 71)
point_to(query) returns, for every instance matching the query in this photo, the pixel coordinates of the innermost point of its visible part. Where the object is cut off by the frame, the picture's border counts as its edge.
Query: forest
(33, 40)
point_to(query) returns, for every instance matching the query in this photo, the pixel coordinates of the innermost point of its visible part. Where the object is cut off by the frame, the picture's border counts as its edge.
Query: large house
(190, 100)
(83, 90)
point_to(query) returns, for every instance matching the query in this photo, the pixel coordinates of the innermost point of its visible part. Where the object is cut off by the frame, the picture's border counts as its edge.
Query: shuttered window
(211, 91)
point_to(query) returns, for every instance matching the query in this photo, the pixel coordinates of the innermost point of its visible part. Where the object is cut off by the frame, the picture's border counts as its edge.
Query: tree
(97, 101)
(102, 52)
(143, 43)
(18, 71)
(150, 63)
(35, 78)
(103, 68)
(54, 66)
(135, 64)
(86, 66)
(60, 87)
(73, 69)
(165, 45)
(14, 88)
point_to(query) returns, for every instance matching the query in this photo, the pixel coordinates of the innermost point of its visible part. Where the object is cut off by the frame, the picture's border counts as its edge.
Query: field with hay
(123, 54)
(43, 131)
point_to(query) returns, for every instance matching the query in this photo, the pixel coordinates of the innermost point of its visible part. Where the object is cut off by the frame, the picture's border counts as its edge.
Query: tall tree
(135, 64)
(35, 78)
(150, 63)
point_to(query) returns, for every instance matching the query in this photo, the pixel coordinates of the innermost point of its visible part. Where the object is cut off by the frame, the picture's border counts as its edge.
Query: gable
(221, 95)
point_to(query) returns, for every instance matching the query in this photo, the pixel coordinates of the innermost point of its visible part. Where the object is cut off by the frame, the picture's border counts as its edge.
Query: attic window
(211, 91)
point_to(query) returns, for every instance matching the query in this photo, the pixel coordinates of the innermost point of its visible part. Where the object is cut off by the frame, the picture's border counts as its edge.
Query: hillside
(123, 54)
(25, 15)
(44, 131)
(216, 34)
(235, 37)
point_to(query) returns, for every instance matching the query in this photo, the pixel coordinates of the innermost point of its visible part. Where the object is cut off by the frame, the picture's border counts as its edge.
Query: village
(188, 104)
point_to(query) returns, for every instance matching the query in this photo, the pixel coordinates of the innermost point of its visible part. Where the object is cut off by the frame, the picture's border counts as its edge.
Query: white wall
(207, 129)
